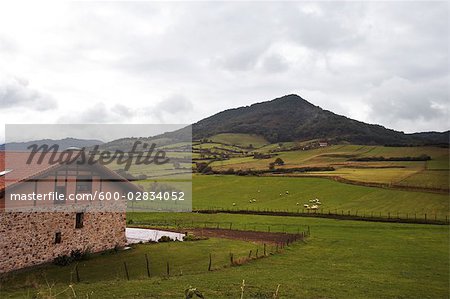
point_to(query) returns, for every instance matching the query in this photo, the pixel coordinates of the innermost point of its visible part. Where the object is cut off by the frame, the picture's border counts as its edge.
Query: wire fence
(180, 225)
(385, 216)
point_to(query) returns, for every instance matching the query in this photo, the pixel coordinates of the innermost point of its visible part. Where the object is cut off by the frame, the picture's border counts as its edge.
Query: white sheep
(297, 204)
(254, 200)
(314, 207)
(234, 204)
(306, 206)
(250, 201)
(287, 192)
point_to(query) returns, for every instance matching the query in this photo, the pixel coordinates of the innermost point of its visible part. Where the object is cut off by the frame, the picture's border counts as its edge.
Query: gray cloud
(384, 62)
(16, 93)
(174, 104)
(398, 100)
(98, 113)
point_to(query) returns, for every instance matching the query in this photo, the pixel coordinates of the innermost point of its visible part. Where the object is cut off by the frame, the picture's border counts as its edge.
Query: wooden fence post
(78, 274)
(210, 262)
(168, 268)
(264, 249)
(250, 254)
(148, 265)
(126, 270)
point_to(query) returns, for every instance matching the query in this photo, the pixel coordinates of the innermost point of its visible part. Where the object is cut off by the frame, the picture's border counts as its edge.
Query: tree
(279, 161)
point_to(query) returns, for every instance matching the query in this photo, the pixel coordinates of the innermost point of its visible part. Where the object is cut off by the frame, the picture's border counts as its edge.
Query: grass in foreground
(341, 259)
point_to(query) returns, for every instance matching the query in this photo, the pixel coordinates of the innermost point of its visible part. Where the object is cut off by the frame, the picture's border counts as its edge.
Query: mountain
(62, 143)
(291, 118)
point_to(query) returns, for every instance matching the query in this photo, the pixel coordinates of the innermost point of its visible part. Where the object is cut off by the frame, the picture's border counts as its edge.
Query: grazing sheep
(234, 204)
(311, 200)
(287, 192)
(297, 204)
(280, 194)
(314, 207)
(250, 201)
(254, 200)
(259, 191)
(306, 206)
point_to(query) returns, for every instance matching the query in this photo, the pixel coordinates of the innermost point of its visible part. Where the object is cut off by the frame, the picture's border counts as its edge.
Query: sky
(176, 63)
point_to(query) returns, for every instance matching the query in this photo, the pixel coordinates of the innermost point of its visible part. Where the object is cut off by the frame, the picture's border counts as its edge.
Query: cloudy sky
(144, 62)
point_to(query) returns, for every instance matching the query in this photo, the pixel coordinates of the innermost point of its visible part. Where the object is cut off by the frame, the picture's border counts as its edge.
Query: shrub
(165, 239)
(191, 237)
(75, 255)
(62, 260)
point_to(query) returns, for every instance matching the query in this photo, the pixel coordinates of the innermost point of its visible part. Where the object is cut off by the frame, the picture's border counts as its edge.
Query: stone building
(34, 232)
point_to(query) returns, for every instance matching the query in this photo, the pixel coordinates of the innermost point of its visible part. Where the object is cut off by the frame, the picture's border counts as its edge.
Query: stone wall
(28, 238)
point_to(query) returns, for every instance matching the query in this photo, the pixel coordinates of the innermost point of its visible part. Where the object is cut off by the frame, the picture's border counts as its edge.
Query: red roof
(21, 171)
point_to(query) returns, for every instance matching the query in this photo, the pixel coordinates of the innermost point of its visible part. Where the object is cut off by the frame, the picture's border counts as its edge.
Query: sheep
(287, 192)
(254, 200)
(280, 194)
(234, 204)
(259, 191)
(297, 204)
(314, 207)
(306, 206)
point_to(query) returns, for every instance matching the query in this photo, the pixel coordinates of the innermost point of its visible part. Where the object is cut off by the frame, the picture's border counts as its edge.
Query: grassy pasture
(428, 178)
(185, 258)
(243, 140)
(372, 175)
(223, 191)
(341, 259)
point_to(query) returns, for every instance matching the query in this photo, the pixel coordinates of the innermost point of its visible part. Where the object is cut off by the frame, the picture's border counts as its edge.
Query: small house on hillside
(34, 232)
(323, 143)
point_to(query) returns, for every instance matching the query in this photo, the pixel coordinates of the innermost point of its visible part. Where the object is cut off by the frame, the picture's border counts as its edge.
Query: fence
(419, 218)
(180, 225)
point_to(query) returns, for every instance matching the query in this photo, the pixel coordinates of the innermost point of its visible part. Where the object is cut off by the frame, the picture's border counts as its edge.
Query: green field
(222, 191)
(341, 259)
(407, 174)
(185, 258)
(244, 140)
